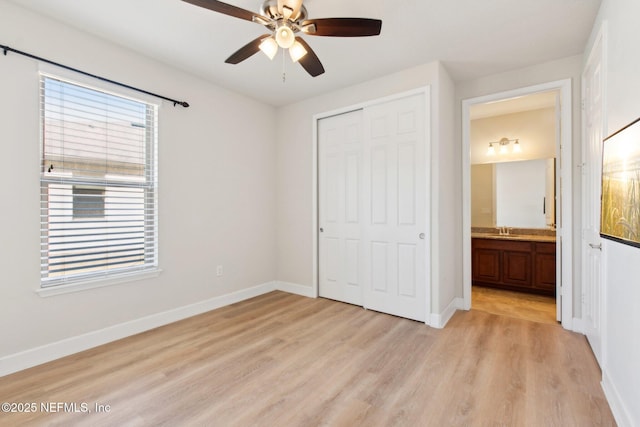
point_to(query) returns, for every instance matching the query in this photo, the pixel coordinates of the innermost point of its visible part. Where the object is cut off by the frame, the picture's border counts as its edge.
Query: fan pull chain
(284, 74)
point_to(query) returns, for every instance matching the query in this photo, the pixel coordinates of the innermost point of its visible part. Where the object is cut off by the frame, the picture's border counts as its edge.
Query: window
(98, 184)
(88, 202)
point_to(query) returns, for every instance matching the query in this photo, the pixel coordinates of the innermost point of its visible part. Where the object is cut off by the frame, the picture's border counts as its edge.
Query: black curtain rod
(9, 49)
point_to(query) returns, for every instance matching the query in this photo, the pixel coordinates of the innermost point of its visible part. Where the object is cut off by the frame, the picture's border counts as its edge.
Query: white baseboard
(440, 320)
(46, 353)
(294, 288)
(618, 408)
(575, 325)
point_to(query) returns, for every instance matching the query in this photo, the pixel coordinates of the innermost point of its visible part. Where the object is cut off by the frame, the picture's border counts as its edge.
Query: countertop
(521, 237)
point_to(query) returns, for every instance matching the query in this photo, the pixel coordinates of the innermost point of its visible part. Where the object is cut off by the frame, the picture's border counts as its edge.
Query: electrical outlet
(219, 271)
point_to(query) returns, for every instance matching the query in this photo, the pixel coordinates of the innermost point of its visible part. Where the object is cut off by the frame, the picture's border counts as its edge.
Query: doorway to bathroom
(514, 206)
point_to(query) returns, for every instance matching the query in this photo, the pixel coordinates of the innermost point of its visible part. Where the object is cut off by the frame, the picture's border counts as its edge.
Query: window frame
(150, 266)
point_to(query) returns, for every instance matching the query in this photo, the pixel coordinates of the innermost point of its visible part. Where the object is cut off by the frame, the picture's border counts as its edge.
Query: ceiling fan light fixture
(269, 47)
(285, 37)
(283, 19)
(297, 51)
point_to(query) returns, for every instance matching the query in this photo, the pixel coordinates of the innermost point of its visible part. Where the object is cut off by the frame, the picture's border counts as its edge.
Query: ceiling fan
(284, 19)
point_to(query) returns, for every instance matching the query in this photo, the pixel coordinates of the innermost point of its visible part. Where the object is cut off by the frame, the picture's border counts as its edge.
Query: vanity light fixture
(503, 143)
(516, 147)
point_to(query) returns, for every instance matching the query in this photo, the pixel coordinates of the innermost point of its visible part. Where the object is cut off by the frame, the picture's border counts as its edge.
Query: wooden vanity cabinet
(545, 267)
(514, 265)
(486, 265)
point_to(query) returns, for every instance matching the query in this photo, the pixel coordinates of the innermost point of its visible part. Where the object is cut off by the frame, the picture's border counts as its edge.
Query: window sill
(96, 283)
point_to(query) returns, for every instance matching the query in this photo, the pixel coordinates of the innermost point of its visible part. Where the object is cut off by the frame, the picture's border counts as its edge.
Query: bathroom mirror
(518, 194)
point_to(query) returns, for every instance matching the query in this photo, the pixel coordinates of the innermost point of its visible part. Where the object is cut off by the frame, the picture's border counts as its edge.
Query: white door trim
(429, 204)
(595, 336)
(565, 232)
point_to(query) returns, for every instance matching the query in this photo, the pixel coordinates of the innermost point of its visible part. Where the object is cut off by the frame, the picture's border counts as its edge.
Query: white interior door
(340, 151)
(558, 209)
(395, 194)
(372, 189)
(592, 84)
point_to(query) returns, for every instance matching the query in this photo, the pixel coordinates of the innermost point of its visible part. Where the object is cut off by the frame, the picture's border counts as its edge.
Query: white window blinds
(98, 186)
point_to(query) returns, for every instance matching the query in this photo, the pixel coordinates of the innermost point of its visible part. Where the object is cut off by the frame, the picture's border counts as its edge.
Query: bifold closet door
(340, 149)
(372, 190)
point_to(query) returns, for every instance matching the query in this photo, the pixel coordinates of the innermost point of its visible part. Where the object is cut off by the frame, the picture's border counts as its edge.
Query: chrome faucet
(503, 230)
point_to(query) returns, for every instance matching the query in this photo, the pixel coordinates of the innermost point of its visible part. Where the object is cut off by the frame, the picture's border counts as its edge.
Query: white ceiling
(472, 38)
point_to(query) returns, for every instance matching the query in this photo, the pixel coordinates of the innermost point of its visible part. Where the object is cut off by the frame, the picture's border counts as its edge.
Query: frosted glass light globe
(285, 37)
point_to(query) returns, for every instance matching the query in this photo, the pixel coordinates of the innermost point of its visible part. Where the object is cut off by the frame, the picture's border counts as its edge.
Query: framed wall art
(620, 207)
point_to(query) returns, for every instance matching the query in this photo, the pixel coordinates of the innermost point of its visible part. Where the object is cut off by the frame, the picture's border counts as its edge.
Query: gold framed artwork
(620, 206)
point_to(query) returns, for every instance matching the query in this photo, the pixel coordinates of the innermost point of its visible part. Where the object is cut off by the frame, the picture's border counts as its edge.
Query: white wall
(560, 69)
(483, 195)
(446, 189)
(295, 159)
(621, 325)
(216, 189)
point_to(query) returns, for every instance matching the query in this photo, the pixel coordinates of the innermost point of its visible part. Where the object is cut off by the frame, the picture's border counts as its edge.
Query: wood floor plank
(281, 359)
(521, 305)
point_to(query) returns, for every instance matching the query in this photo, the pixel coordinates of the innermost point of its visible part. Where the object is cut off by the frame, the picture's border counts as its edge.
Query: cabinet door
(517, 268)
(486, 265)
(545, 267)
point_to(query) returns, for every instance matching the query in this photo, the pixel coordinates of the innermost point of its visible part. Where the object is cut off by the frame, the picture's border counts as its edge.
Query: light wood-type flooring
(537, 308)
(286, 360)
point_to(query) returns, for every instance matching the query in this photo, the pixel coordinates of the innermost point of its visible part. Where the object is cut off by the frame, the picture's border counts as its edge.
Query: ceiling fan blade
(342, 27)
(227, 9)
(310, 61)
(246, 51)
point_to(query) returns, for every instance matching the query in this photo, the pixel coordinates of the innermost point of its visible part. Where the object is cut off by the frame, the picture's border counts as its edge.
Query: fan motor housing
(269, 9)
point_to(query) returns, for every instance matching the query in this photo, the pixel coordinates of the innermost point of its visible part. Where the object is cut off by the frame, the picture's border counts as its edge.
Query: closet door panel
(395, 218)
(373, 193)
(340, 207)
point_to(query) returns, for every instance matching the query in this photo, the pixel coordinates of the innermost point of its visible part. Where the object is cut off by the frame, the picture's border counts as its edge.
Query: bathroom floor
(537, 308)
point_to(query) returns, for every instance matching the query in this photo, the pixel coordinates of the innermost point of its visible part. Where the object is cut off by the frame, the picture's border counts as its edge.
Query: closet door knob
(321, 230)
(421, 235)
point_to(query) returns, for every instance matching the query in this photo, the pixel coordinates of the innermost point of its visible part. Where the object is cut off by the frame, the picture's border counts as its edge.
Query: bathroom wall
(534, 129)
(483, 205)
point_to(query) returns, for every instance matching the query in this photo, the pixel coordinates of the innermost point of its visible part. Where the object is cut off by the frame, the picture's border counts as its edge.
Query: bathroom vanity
(520, 262)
